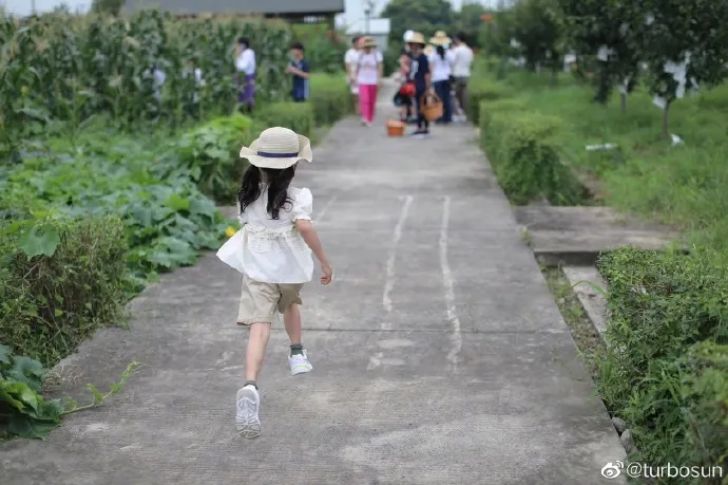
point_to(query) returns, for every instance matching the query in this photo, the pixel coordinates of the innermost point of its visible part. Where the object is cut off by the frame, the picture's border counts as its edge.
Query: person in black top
(300, 71)
(420, 75)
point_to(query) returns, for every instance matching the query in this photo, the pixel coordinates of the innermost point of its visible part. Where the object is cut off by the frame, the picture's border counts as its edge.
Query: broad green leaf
(28, 371)
(177, 202)
(27, 427)
(20, 391)
(40, 240)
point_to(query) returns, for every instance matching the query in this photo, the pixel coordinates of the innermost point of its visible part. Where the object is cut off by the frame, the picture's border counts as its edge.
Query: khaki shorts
(259, 302)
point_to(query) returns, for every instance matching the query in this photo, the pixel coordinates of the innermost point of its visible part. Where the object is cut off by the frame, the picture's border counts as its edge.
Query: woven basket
(431, 106)
(395, 128)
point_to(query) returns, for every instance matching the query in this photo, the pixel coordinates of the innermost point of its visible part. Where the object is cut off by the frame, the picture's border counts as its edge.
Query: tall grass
(684, 185)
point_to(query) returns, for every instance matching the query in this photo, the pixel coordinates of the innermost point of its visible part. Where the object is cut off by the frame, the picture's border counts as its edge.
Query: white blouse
(273, 250)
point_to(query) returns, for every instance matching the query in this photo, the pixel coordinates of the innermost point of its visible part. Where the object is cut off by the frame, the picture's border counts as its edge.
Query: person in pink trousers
(368, 73)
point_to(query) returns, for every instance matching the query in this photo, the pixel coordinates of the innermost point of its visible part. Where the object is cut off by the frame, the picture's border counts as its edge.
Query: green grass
(685, 186)
(664, 370)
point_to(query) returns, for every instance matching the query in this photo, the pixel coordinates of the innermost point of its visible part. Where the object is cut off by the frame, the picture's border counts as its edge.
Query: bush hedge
(299, 117)
(51, 301)
(665, 370)
(525, 159)
(330, 97)
(480, 90)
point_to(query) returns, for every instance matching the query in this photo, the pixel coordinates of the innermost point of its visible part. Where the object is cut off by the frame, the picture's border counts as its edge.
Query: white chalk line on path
(392, 258)
(326, 207)
(456, 338)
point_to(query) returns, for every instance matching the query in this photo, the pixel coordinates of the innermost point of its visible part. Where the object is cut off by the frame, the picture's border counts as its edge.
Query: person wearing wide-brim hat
(421, 77)
(273, 251)
(369, 70)
(441, 60)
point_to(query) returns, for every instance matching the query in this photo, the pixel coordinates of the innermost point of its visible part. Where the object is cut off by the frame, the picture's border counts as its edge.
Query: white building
(362, 17)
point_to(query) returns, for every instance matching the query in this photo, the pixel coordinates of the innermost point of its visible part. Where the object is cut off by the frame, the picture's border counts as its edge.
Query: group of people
(442, 66)
(245, 67)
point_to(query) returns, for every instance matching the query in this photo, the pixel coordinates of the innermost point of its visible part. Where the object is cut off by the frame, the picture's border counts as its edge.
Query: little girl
(278, 239)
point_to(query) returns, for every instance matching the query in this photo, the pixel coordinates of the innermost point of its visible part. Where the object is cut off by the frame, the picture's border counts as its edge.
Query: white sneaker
(246, 419)
(299, 363)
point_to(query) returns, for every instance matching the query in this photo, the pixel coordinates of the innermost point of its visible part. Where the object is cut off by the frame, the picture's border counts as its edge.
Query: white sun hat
(408, 35)
(278, 148)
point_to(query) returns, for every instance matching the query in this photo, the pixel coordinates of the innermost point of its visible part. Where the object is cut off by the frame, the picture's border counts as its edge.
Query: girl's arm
(310, 236)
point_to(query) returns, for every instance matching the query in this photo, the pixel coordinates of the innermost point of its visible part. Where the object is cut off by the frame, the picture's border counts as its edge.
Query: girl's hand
(327, 274)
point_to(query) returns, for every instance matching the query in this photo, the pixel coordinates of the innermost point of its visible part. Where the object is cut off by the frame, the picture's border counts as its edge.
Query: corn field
(149, 66)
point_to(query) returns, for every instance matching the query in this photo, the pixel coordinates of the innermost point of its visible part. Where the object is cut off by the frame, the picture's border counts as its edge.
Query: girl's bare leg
(257, 343)
(292, 320)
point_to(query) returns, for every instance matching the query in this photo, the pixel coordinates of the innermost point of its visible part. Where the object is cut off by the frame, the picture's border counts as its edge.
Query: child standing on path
(278, 239)
(300, 72)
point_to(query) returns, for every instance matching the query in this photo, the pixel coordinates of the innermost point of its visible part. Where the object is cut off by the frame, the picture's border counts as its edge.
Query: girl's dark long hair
(441, 51)
(277, 180)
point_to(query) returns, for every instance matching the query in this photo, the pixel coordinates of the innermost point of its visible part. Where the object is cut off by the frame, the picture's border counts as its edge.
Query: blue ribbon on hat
(277, 155)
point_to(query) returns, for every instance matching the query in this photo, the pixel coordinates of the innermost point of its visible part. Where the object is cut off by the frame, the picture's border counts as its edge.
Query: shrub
(59, 281)
(330, 97)
(141, 180)
(489, 109)
(299, 117)
(525, 158)
(666, 365)
(211, 152)
(480, 90)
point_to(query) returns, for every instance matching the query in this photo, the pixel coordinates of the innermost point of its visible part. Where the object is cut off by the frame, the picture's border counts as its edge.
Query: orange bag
(431, 106)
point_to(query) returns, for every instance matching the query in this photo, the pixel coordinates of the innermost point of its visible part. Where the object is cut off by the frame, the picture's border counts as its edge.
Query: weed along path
(439, 355)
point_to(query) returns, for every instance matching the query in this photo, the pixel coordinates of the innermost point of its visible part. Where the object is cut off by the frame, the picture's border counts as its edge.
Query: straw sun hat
(416, 38)
(369, 42)
(440, 38)
(278, 148)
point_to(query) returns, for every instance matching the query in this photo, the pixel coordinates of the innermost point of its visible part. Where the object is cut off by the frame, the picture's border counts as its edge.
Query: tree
(424, 16)
(538, 28)
(112, 7)
(603, 34)
(469, 22)
(685, 46)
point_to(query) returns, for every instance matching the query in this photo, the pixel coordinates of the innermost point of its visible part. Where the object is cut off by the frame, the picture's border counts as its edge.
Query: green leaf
(28, 371)
(19, 395)
(27, 427)
(40, 240)
(177, 202)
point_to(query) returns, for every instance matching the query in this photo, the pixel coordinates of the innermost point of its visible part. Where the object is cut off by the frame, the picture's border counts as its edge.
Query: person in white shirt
(351, 58)
(440, 62)
(245, 67)
(463, 58)
(368, 73)
(274, 251)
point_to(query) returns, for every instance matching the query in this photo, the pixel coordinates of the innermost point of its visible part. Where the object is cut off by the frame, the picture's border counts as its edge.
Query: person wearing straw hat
(420, 75)
(273, 251)
(368, 73)
(441, 61)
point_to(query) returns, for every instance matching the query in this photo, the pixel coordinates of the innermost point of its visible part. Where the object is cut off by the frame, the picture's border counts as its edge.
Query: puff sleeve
(302, 206)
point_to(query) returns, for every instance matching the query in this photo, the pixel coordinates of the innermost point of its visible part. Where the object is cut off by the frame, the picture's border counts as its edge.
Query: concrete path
(439, 354)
